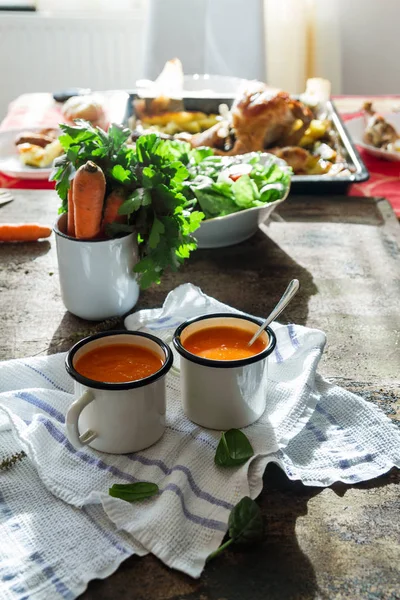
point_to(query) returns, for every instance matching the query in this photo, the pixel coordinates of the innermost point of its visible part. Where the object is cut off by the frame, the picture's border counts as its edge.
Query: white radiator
(40, 53)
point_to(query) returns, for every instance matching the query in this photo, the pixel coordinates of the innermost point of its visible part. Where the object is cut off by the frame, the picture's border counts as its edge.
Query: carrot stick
(113, 202)
(71, 212)
(89, 190)
(24, 232)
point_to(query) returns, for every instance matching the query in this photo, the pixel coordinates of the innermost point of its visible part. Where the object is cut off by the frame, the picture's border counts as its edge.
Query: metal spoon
(290, 291)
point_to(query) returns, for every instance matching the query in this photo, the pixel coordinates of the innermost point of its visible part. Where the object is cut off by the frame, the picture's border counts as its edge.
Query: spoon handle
(290, 291)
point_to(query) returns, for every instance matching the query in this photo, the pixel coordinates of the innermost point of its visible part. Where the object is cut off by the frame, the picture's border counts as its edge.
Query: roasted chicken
(295, 157)
(256, 122)
(261, 119)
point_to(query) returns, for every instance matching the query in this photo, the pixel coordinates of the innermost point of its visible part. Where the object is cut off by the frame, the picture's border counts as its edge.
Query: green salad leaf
(226, 184)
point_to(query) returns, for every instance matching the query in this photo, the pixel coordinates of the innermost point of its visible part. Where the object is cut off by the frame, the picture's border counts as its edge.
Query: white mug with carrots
(96, 273)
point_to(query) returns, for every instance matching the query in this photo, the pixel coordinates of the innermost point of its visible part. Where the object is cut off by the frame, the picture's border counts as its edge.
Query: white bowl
(356, 128)
(235, 228)
(239, 226)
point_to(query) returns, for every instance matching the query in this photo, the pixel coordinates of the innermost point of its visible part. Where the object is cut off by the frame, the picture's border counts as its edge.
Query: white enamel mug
(96, 276)
(223, 394)
(118, 417)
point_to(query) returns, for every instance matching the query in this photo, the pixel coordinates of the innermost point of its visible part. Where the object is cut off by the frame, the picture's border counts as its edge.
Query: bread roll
(89, 108)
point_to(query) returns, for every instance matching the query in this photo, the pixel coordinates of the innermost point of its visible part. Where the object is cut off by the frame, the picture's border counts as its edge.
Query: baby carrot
(71, 211)
(113, 202)
(23, 232)
(88, 191)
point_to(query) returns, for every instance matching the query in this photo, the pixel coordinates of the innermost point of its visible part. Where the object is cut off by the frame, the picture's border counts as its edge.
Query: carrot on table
(23, 232)
(88, 192)
(112, 204)
(71, 211)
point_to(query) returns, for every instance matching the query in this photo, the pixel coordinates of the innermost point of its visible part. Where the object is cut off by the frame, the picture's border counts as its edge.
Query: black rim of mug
(58, 231)
(222, 364)
(126, 385)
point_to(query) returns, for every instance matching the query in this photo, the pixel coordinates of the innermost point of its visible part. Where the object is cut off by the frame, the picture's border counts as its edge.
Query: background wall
(370, 33)
(356, 45)
(45, 53)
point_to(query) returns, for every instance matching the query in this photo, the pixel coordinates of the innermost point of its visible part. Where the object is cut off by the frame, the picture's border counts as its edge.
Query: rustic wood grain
(341, 542)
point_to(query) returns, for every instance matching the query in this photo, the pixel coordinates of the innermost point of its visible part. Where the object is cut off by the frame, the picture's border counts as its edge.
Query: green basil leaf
(132, 492)
(245, 522)
(233, 449)
(245, 525)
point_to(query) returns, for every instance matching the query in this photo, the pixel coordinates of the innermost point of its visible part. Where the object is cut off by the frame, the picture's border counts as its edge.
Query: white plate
(236, 227)
(356, 128)
(10, 163)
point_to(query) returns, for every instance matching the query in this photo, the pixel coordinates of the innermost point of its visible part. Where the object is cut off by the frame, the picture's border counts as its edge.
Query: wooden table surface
(338, 542)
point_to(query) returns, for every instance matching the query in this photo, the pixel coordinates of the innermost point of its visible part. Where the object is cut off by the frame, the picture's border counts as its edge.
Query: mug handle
(168, 339)
(72, 418)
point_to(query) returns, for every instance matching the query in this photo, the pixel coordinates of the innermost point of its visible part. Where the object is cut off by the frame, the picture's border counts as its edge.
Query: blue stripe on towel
(35, 401)
(60, 438)
(36, 557)
(32, 399)
(57, 387)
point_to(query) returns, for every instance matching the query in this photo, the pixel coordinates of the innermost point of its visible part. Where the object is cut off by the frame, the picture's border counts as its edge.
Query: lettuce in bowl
(224, 185)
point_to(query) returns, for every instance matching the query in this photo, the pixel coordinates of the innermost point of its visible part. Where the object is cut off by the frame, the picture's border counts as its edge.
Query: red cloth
(384, 180)
(40, 110)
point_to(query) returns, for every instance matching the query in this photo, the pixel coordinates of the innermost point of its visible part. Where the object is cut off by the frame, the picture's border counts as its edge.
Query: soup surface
(118, 363)
(223, 343)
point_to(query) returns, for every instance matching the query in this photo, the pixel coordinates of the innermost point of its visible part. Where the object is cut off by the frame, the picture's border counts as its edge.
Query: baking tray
(301, 184)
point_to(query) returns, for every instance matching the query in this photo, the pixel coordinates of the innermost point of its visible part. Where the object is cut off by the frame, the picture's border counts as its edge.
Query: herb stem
(219, 550)
(7, 463)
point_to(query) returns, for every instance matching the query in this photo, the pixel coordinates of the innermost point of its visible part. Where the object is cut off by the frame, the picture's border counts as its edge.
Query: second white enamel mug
(223, 394)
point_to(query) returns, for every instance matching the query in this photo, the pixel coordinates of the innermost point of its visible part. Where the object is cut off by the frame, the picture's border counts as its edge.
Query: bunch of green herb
(151, 177)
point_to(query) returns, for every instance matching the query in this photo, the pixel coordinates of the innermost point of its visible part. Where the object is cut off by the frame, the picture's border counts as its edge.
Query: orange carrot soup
(118, 363)
(223, 343)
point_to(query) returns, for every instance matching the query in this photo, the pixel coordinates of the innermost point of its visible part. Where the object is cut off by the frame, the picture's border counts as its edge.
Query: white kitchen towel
(315, 431)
